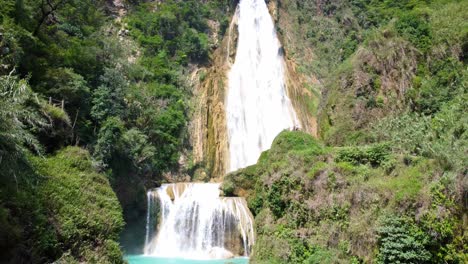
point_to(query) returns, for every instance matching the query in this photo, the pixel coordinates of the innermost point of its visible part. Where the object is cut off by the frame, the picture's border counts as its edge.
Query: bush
(276, 201)
(56, 113)
(108, 98)
(297, 143)
(441, 82)
(19, 117)
(401, 241)
(82, 208)
(109, 141)
(178, 29)
(137, 148)
(375, 155)
(415, 28)
(442, 136)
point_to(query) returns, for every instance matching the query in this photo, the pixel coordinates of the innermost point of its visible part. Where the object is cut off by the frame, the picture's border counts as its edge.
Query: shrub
(256, 203)
(56, 113)
(108, 98)
(137, 148)
(109, 140)
(374, 155)
(401, 241)
(178, 28)
(440, 83)
(442, 136)
(19, 116)
(276, 202)
(82, 208)
(415, 28)
(298, 143)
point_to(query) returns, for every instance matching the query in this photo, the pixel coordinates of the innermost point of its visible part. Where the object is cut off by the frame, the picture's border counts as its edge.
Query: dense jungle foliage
(386, 182)
(109, 80)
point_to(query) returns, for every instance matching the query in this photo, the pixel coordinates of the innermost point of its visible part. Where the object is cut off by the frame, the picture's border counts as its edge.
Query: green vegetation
(350, 205)
(71, 74)
(80, 206)
(374, 155)
(400, 241)
(94, 107)
(388, 183)
(63, 209)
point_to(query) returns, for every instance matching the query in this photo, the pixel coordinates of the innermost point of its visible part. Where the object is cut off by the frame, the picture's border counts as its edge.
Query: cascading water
(257, 105)
(191, 219)
(196, 223)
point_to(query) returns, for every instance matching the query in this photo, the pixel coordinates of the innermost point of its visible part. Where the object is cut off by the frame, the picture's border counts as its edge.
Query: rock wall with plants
(386, 180)
(320, 204)
(109, 77)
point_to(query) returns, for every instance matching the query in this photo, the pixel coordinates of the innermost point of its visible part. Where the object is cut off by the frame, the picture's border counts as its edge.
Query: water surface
(142, 259)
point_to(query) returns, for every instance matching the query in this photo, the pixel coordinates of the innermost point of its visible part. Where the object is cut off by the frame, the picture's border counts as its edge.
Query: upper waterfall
(257, 105)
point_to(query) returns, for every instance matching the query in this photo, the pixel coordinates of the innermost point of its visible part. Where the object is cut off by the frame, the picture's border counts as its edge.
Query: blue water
(141, 259)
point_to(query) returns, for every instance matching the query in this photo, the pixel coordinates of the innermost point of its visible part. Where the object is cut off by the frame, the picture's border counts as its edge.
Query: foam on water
(193, 221)
(190, 222)
(142, 259)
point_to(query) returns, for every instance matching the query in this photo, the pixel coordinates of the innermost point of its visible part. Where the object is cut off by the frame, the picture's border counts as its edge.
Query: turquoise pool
(141, 259)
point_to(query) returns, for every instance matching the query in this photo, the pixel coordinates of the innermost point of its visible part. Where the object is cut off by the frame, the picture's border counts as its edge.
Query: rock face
(116, 8)
(208, 130)
(301, 96)
(208, 125)
(303, 89)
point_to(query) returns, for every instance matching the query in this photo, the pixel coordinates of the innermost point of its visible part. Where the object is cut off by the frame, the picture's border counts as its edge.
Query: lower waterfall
(191, 220)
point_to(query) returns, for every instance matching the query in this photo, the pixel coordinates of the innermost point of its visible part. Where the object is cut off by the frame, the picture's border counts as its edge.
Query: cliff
(385, 181)
(208, 124)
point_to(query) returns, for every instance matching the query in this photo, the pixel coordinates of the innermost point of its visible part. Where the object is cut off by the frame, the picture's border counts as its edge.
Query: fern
(19, 118)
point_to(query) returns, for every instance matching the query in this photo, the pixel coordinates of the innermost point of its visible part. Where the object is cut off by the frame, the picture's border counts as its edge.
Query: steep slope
(60, 209)
(111, 78)
(316, 204)
(208, 129)
(208, 126)
(387, 179)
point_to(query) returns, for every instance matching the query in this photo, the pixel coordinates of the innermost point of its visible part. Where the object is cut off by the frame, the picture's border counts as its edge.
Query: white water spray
(191, 219)
(257, 105)
(196, 223)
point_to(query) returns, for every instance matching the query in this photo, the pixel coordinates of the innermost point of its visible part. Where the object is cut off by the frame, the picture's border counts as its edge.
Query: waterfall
(191, 220)
(257, 105)
(196, 223)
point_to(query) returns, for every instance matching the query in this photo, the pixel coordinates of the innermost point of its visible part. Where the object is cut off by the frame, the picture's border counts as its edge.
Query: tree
(108, 98)
(109, 139)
